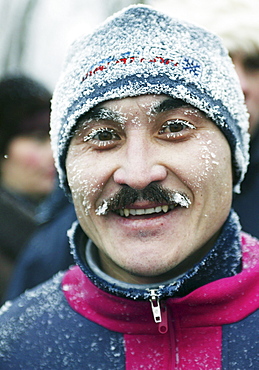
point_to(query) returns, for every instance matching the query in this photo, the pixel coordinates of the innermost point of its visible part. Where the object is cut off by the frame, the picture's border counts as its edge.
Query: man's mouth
(176, 199)
(126, 212)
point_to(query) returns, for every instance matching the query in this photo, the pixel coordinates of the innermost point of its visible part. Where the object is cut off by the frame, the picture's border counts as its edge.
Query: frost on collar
(224, 260)
(141, 51)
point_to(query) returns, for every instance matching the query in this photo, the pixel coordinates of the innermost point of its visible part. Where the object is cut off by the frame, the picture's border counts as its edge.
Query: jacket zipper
(159, 311)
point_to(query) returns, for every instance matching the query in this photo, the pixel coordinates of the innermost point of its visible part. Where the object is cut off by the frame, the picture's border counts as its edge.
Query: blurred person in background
(29, 205)
(27, 174)
(237, 23)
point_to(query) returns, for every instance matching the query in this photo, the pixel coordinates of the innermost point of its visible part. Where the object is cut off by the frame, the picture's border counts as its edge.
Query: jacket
(83, 320)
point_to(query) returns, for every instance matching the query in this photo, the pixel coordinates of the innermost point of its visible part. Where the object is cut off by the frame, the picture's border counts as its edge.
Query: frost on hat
(142, 51)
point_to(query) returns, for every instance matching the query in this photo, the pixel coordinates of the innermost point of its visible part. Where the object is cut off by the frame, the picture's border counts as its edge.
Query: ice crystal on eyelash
(181, 121)
(95, 132)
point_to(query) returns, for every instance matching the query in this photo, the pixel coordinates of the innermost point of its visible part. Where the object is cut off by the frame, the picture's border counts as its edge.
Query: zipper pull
(155, 306)
(159, 312)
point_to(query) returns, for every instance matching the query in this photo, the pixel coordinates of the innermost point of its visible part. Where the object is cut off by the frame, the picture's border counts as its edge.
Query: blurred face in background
(247, 67)
(28, 166)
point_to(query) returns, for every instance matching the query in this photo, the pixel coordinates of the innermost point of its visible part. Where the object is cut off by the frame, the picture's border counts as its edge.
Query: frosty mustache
(153, 193)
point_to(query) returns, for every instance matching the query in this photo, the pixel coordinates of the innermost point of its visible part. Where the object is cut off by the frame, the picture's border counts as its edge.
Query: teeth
(165, 208)
(126, 212)
(148, 211)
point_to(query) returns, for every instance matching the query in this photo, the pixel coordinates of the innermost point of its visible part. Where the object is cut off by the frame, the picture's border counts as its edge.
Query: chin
(151, 274)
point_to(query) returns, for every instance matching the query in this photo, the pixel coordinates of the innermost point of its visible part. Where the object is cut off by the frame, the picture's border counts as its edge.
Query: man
(149, 132)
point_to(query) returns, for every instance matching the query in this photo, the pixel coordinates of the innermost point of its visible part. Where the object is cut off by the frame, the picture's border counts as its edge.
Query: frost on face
(103, 209)
(181, 199)
(98, 114)
(82, 194)
(82, 189)
(210, 158)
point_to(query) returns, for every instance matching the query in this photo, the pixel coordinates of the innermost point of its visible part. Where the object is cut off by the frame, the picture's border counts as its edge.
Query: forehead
(151, 104)
(120, 110)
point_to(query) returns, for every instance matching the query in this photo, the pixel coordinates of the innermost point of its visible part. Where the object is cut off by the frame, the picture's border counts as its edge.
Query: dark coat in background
(48, 250)
(246, 204)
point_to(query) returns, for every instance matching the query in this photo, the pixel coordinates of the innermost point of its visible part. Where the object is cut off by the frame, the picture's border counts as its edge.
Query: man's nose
(139, 165)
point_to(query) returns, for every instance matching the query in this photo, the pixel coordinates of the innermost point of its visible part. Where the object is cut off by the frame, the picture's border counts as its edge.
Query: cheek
(210, 166)
(32, 159)
(84, 183)
(25, 156)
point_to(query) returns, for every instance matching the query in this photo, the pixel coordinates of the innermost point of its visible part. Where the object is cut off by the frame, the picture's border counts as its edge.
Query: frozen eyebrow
(169, 104)
(99, 114)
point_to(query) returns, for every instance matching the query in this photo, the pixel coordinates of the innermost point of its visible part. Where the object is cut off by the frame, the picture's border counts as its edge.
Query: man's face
(247, 68)
(148, 144)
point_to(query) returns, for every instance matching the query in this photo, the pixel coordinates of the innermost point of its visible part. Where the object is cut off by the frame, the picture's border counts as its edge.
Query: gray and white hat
(142, 51)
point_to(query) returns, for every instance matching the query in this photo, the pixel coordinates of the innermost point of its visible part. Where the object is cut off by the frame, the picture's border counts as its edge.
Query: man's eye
(102, 134)
(176, 126)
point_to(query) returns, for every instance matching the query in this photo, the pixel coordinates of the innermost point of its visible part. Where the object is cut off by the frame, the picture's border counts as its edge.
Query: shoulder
(30, 309)
(33, 297)
(40, 330)
(25, 322)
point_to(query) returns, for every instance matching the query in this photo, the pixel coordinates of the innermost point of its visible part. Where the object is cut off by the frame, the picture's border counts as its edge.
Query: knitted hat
(24, 109)
(142, 51)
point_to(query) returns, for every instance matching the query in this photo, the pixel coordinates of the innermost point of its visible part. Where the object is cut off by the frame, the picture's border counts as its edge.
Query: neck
(115, 271)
